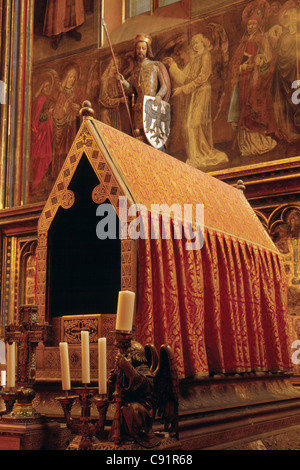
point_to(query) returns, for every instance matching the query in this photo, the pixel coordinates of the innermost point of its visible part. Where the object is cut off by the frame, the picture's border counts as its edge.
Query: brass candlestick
(101, 403)
(27, 334)
(85, 399)
(9, 398)
(87, 431)
(67, 403)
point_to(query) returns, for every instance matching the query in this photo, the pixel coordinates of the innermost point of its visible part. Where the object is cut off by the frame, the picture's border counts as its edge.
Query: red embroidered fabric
(222, 308)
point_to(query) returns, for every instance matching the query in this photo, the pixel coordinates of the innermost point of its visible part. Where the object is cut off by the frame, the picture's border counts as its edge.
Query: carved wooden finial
(240, 185)
(87, 110)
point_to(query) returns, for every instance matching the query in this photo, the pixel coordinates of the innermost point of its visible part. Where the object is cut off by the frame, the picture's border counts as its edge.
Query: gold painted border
(19, 117)
(96, 42)
(27, 123)
(5, 123)
(256, 168)
(3, 282)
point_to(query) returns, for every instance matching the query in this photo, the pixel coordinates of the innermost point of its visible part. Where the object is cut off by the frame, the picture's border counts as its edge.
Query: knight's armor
(145, 79)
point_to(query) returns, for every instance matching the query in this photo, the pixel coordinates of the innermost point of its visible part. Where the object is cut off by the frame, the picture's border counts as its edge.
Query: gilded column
(16, 58)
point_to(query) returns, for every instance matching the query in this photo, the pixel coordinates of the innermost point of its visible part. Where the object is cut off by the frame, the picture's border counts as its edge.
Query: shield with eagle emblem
(157, 121)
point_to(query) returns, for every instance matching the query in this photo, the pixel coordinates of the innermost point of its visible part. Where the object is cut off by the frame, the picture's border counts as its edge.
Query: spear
(297, 43)
(118, 75)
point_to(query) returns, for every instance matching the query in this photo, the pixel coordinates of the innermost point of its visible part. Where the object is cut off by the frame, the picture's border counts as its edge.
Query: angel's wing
(166, 390)
(151, 356)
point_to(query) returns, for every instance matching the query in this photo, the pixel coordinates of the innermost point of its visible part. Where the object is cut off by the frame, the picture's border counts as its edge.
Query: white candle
(102, 377)
(3, 378)
(65, 366)
(85, 357)
(11, 365)
(125, 310)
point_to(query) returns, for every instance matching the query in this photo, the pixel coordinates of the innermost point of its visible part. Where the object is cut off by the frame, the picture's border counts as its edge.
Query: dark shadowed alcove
(84, 271)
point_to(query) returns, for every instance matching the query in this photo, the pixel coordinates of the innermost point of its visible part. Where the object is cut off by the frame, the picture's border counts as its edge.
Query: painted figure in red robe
(63, 16)
(251, 72)
(66, 110)
(287, 113)
(41, 131)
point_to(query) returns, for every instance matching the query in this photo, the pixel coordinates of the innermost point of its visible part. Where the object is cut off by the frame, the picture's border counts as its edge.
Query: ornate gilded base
(215, 413)
(19, 407)
(219, 412)
(28, 436)
(22, 414)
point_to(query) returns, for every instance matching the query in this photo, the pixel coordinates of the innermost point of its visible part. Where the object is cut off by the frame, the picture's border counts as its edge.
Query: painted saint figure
(149, 78)
(195, 86)
(65, 112)
(110, 97)
(286, 237)
(251, 72)
(63, 16)
(287, 113)
(41, 131)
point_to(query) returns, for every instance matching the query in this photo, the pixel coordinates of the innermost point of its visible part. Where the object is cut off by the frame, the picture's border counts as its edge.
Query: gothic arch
(280, 214)
(109, 188)
(27, 279)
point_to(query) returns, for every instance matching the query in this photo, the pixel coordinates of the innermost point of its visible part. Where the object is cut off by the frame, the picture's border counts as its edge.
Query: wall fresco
(237, 87)
(62, 27)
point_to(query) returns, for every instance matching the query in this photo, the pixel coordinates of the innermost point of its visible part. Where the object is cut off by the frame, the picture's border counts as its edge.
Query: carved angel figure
(149, 387)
